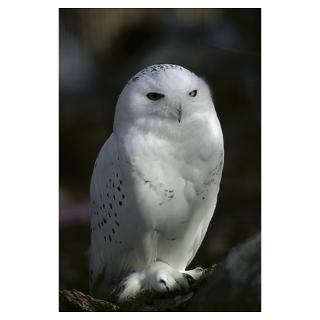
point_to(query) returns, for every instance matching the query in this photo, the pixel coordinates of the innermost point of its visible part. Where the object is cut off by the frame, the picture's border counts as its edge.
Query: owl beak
(179, 113)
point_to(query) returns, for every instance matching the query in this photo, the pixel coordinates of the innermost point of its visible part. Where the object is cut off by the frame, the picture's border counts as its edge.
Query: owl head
(164, 94)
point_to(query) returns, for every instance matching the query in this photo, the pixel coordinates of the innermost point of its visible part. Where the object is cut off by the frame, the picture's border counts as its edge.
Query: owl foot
(195, 274)
(158, 280)
(163, 279)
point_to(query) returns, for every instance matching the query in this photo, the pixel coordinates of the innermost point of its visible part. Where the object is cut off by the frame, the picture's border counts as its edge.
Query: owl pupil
(193, 93)
(154, 96)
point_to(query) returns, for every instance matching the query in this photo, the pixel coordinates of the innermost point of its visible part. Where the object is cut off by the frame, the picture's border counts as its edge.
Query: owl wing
(114, 245)
(106, 200)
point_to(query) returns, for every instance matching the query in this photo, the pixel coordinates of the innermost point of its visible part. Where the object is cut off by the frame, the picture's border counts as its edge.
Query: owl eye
(155, 96)
(193, 93)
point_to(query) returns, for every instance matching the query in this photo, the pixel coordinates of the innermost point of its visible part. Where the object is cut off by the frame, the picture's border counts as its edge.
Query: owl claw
(160, 280)
(195, 274)
(188, 278)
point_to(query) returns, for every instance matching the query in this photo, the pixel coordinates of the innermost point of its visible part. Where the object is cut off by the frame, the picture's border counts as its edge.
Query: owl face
(164, 93)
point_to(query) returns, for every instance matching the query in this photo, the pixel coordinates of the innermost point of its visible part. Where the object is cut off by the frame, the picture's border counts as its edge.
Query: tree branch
(234, 284)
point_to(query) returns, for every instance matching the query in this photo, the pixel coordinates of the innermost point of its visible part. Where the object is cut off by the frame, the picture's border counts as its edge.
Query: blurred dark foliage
(100, 49)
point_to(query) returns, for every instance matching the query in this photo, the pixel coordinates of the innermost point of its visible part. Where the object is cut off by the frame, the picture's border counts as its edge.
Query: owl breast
(177, 182)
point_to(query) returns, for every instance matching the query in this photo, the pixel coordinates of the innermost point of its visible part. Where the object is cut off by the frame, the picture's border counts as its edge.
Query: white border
(29, 159)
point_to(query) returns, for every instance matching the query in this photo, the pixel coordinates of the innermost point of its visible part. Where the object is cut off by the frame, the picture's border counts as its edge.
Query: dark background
(99, 50)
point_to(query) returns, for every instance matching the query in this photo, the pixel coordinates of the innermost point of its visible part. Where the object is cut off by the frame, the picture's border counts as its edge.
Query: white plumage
(155, 183)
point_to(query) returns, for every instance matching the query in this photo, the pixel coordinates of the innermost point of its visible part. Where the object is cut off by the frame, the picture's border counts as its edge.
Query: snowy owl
(154, 185)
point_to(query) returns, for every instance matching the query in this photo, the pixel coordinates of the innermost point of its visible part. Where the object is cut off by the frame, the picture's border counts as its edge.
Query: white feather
(155, 183)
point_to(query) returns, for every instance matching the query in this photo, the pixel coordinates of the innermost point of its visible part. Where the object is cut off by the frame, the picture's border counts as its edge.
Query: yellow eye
(193, 93)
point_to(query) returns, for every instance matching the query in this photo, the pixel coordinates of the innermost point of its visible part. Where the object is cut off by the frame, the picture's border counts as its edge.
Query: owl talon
(196, 273)
(189, 278)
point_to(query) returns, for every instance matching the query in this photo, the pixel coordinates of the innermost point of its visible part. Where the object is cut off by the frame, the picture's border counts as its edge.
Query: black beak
(179, 113)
